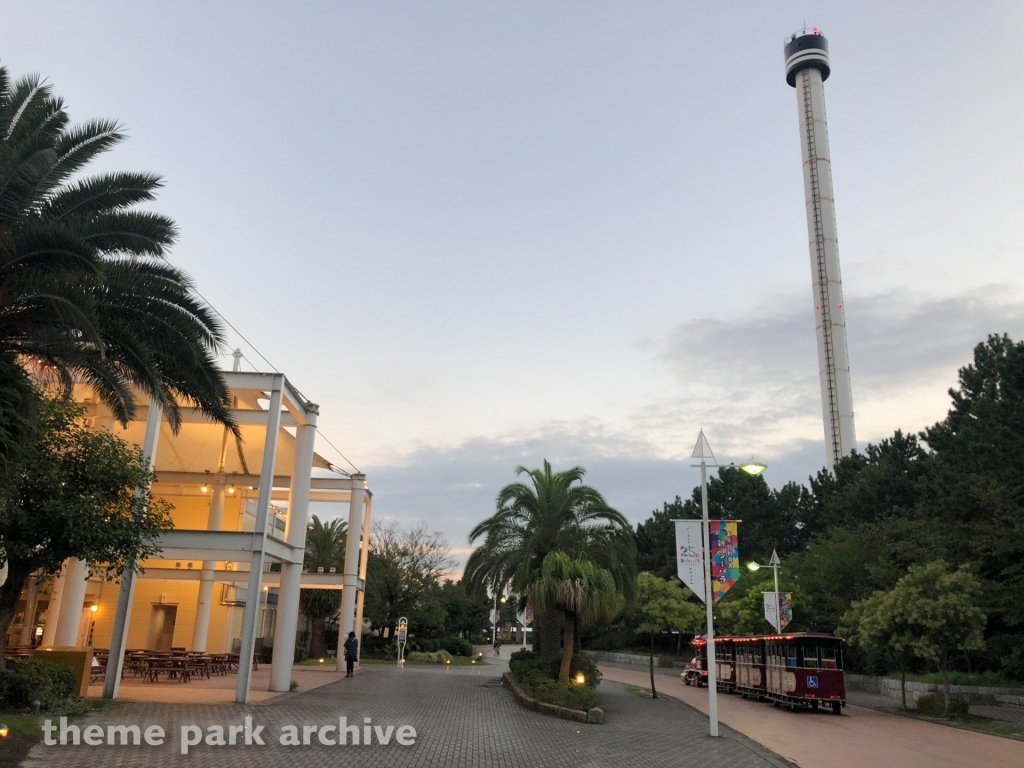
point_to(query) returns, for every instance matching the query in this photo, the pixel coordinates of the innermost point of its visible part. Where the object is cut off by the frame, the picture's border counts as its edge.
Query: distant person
(497, 645)
(351, 654)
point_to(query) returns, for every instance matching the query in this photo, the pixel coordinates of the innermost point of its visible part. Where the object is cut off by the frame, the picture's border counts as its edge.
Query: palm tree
(580, 591)
(325, 548)
(85, 293)
(555, 512)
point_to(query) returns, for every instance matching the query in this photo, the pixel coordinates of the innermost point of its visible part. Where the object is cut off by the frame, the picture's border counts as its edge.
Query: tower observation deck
(807, 68)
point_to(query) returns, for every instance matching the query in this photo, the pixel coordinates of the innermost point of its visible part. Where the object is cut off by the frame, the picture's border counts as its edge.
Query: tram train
(802, 670)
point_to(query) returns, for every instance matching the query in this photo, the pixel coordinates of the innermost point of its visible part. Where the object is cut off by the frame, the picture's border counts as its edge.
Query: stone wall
(634, 659)
(890, 688)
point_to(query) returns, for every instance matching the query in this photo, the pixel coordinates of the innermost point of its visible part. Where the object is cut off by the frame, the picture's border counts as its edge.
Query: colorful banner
(689, 557)
(785, 609)
(725, 557)
(526, 617)
(771, 609)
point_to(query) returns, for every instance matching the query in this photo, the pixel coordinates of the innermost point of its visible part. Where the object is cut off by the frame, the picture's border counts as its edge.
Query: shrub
(457, 646)
(477, 640)
(435, 657)
(933, 705)
(540, 681)
(266, 654)
(28, 680)
(539, 686)
(615, 640)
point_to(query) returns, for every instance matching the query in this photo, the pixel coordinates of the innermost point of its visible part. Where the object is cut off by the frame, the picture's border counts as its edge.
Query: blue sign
(812, 681)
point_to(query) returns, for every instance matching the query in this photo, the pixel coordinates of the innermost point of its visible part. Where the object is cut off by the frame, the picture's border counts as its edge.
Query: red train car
(805, 670)
(725, 663)
(751, 679)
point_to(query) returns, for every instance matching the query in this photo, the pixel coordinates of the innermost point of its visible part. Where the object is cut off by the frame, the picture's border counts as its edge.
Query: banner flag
(725, 557)
(771, 609)
(495, 617)
(689, 558)
(526, 617)
(785, 609)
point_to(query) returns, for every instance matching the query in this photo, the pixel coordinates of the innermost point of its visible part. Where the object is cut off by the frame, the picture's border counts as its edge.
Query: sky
(480, 235)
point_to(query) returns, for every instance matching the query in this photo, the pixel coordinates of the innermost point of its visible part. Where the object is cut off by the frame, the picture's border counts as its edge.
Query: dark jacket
(351, 649)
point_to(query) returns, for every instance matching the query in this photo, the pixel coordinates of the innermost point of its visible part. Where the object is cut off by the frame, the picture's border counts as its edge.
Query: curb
(550, 709)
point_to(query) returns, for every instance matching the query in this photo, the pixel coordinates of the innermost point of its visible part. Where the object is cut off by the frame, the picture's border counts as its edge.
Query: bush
(933, 705)
(477, 640)
(28, 680)
(457, 646)
(614, 640)
(540, 681)
(436, 657)
(266, 654)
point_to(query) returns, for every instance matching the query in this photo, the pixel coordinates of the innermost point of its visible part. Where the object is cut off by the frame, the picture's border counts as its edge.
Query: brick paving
(462, 717)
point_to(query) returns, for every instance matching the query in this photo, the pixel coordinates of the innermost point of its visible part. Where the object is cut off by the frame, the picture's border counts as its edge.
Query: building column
(361, 594)
(28, 624)
(259, 542)
(350, 580)
(291, 573)
(77, 580)
(53, 607)
(126, 593)
(213, 523)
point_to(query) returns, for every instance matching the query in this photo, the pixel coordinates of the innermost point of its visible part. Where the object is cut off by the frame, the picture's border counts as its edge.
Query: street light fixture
(703, 452)
(775, 564)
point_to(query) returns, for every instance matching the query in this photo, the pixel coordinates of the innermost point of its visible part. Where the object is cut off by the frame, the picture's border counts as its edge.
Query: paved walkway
(462, 717)
(861, 737)
(216, 690)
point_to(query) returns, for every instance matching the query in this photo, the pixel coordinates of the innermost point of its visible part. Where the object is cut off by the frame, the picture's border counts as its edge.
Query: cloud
(751, 382)
(756, 377)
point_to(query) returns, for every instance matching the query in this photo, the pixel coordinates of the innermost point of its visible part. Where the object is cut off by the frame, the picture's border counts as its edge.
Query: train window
(791, 656)
(829, 658)
(811, 657)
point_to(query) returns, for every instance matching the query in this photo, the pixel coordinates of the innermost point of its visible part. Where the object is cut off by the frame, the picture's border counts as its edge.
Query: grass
(980, 679)
(26, 730)
(995, 727)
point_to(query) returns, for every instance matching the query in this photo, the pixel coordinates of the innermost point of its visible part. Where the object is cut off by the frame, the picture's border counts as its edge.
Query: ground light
(3, 731)
(580, 678)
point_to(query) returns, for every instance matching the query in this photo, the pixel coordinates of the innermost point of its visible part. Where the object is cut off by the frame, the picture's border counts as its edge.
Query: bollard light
(580, 678)
(3, 731)
(321, 661)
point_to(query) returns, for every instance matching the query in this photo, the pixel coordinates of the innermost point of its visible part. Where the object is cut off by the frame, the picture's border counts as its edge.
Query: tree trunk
(570, 640)
(654, 692)
(318, 637)
(945, 682)
(10, 593)
(903, 685)
(548, 624)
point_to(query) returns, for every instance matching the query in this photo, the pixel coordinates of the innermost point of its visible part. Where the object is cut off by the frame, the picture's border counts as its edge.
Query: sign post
(403, 636)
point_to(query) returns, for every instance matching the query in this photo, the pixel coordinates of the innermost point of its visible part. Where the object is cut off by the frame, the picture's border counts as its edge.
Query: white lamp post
(703, 452)
(775, 564)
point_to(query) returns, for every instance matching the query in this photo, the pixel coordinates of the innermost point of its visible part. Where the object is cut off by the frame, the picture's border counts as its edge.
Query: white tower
(807, 68)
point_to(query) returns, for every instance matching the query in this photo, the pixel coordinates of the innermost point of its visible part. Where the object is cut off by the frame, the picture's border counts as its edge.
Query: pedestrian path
(860, 737)
(462, 717)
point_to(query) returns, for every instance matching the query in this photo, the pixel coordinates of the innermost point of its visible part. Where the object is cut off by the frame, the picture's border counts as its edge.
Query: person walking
(351, 654)
(497, 644)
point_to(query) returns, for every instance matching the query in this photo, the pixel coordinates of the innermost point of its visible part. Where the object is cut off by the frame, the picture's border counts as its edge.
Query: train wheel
(837, 708)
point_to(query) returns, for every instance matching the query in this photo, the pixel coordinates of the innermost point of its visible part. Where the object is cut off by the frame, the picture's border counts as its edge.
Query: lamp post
(775, 564)
(703, 452)
(494, 617)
